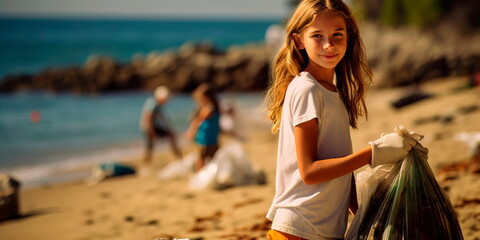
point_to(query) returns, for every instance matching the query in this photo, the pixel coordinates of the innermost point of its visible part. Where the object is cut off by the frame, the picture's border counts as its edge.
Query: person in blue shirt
(204, 128)
(155, 125)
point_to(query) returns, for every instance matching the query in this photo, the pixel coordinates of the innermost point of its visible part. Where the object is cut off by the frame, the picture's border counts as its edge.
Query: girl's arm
(203, 113)
(192, 128)
(315, 171)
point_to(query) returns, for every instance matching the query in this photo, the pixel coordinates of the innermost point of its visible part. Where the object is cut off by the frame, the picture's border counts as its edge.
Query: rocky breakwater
(406, 56)
(398, 57)
(240, 68)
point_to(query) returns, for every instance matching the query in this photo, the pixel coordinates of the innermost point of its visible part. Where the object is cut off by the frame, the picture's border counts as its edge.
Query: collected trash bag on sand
(229, 167)
(178, 169)
(403, 201)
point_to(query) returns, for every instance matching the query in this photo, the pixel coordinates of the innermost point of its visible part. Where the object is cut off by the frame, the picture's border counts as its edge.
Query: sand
(139, 208)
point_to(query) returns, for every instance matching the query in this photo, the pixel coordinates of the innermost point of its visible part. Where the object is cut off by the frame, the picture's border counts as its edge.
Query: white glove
(390, 148)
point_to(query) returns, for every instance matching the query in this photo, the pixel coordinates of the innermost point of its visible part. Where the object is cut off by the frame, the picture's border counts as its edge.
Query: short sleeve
(305, 105)
(149, 105)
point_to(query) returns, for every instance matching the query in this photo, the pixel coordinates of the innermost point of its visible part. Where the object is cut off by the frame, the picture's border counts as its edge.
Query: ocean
(30, 45)
(44, 133)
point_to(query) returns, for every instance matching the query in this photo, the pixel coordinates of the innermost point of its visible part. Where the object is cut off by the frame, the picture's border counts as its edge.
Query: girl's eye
(338, 35)
(316, 36)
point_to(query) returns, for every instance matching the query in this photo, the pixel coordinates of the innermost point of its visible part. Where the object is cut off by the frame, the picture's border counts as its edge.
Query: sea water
(43, 133)
(30, 45)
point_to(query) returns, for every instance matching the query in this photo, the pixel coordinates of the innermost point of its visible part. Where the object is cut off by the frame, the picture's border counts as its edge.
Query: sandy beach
(147, 208)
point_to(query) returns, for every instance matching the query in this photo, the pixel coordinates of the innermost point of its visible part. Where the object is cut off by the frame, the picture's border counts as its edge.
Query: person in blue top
(204, 128)
(155, 125)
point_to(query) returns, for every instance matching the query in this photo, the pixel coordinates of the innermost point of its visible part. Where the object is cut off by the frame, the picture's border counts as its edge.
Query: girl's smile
(329, 56)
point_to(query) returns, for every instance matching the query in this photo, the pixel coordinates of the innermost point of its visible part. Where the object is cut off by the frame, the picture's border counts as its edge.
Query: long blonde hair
(352, 72)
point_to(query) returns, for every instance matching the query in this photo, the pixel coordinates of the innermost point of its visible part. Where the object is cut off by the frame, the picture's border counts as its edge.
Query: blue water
(73, 124)
(83, 130)
(73, 128)
(30, 45)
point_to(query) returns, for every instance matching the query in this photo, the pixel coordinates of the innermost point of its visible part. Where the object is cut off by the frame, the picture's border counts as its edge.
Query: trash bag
(372, 184)
(178, 169)
(229, 167)
(403, 201)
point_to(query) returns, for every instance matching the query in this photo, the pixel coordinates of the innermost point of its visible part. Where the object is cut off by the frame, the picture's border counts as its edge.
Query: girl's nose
(327, 45)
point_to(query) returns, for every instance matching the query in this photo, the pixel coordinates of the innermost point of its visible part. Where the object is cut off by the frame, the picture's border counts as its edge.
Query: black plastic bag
(403, 201)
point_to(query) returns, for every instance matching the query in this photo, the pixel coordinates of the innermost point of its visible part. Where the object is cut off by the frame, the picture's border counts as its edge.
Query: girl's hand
(390, 148)
(192, 129)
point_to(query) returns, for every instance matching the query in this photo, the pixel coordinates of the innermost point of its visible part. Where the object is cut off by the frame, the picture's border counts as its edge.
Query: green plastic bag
(403, 201)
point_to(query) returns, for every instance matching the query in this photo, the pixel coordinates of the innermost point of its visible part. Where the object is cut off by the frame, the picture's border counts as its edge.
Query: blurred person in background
(155, 125)
(204, 128)
(230, 123)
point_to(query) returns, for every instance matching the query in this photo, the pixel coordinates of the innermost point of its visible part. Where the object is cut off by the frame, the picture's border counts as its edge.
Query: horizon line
(140, 17)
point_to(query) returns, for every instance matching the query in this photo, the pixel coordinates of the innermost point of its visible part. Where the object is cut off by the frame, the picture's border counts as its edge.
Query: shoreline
(80, 161)
(75, 167)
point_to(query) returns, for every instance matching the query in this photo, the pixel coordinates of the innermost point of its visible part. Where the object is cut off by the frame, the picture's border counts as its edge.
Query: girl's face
(325, 40)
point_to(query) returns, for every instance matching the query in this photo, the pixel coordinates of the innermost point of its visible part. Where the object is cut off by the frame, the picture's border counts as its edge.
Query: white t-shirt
(311, 211)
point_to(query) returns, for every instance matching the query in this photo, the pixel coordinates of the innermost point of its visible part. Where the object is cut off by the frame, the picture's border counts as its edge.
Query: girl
(205, 126)
(314, 181)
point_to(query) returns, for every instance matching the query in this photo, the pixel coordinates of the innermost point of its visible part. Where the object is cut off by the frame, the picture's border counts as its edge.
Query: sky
(146, 8)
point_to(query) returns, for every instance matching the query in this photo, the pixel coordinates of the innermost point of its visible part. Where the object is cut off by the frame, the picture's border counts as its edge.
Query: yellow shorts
(276, 235)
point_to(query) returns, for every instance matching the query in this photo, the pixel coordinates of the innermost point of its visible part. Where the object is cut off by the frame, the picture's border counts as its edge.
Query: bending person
(155, 125)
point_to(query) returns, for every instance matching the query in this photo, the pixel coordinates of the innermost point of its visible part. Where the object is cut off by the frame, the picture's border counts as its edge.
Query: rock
(398, 57)
(12, 83)
(406, 56)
